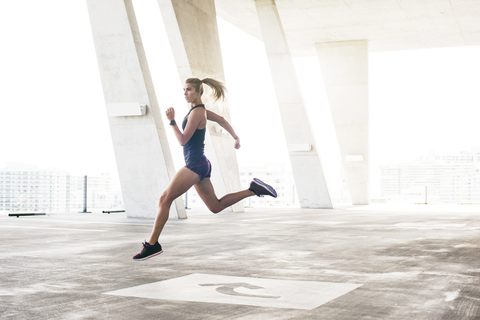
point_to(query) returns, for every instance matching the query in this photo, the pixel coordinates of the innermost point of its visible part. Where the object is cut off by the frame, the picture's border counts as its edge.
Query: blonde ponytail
(218, 88)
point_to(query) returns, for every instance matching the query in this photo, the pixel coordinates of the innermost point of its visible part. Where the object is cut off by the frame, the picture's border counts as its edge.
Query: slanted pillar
(144, 160)
(306, 166)
(193, 34)
(344, 67)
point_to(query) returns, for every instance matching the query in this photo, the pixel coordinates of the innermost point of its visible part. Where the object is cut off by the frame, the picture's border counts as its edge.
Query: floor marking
(292, 294)
(229, 288)
(45, 228)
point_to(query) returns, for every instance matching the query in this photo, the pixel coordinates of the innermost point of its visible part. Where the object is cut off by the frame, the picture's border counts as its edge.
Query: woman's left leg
(207, 193)
(181, 182)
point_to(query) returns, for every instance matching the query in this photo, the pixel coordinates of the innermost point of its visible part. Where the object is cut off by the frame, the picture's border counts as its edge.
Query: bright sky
(53, 112)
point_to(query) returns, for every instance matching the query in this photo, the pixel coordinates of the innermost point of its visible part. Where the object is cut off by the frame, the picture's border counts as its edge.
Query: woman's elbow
(182, 141)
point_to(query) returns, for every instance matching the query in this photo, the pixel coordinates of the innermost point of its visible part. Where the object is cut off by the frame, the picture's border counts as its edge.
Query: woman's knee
(215, 208)
(165, 199)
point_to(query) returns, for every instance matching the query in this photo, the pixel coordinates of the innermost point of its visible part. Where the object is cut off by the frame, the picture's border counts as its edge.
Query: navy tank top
(193, 150)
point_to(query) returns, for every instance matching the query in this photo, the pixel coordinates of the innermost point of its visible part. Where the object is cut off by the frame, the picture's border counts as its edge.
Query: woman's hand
(237, 143)
(170, 114)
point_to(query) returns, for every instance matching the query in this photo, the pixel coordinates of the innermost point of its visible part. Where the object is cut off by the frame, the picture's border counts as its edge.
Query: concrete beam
(345, 73)
(144, 161)
(193, 34)
(307, 169)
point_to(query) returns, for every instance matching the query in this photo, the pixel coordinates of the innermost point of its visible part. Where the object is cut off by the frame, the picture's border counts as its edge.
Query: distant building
(434, 178)
(278, 176)
(28, 188)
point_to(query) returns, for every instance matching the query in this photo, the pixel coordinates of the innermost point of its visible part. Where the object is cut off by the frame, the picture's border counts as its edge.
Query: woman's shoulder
(198, 114)
(199, 110)
(199, 107)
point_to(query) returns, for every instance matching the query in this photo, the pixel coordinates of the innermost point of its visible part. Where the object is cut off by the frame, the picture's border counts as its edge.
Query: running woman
(197, 169)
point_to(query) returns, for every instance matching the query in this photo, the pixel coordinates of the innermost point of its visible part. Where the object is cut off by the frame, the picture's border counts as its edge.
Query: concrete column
(193, 34)
(345, 73)
(144, 161)
(307, 169)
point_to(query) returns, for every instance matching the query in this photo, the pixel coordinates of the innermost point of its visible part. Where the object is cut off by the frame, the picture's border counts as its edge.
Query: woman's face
(190, 94)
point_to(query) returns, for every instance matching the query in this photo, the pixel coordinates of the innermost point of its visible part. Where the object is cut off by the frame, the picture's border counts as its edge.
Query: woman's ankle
(151, 242)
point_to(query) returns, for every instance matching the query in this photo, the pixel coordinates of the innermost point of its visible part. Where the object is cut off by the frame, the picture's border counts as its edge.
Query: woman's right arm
(193, 121)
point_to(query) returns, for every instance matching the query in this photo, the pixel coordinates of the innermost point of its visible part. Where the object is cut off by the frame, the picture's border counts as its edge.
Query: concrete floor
(417, 262)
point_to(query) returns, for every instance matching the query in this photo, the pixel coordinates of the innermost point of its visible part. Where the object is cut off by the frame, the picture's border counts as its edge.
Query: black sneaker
(148, 251)
(261, 189)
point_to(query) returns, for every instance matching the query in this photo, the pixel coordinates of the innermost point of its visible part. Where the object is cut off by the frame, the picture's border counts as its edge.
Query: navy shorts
(203, 169)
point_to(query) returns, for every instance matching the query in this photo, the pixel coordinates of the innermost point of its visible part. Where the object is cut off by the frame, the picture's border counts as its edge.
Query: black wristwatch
(172, 123)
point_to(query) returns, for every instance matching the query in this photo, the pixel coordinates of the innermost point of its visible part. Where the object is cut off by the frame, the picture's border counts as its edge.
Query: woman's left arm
(212, 116)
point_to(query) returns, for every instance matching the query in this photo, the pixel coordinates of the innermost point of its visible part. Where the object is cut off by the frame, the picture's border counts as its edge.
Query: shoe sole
(150, 256)
(266, 186)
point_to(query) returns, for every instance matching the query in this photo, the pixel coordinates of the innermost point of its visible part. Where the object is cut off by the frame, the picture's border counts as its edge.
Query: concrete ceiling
(387, 24)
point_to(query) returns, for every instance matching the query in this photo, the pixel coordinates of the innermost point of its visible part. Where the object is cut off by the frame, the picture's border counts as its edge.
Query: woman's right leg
(207, 193)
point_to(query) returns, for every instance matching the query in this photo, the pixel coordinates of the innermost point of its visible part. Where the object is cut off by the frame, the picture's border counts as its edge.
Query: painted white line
(264, 219)
(102, 222)
(429, 225)
(319, 222)
(94, 222)
(45, 228)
